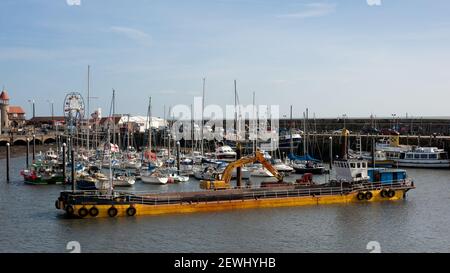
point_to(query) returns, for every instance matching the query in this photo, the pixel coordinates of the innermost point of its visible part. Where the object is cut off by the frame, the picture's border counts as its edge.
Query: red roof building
(11, 116)
(4, 96)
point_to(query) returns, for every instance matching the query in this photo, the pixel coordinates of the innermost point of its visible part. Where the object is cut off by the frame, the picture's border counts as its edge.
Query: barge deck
(82, 204)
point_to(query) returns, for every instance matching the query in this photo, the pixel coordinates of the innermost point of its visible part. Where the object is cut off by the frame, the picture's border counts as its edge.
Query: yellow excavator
(222, 181)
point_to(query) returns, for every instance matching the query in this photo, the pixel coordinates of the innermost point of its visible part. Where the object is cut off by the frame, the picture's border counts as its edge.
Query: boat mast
(307, 132)
(235, 112)
(203, 109)
(170, 135)
(150, 124)
(110, 164)
(255, 127)
(290, 131)
(164, 132)
(304, 133)
(113, 116)
(88, 100)
(192, 131)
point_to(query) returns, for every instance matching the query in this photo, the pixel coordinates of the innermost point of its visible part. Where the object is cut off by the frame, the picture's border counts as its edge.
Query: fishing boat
(43, 174)
(357, 171)
(85, 181)
(51, 155)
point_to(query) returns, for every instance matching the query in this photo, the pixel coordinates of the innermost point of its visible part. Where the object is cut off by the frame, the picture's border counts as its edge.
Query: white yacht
(152, 176)
(282, 167)
(424, 157)
(225, 153)
(257, 169)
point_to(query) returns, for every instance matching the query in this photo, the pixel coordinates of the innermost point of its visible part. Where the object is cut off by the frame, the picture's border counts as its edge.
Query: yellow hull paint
(240, 204)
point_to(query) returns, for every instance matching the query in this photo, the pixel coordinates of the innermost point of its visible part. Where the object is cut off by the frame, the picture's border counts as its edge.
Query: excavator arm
(260, 157)
(224, 181)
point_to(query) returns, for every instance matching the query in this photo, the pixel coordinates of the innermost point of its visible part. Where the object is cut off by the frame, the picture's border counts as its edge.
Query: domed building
(11, 116)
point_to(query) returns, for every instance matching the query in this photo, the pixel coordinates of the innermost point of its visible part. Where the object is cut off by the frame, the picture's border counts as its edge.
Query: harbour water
(29, 222)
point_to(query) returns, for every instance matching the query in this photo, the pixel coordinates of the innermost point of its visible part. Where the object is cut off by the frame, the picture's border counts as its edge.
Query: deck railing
(168, 198)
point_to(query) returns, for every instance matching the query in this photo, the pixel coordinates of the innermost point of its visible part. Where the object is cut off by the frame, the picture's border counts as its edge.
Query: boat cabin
(386, 176)
(351, 170)
(425, 153)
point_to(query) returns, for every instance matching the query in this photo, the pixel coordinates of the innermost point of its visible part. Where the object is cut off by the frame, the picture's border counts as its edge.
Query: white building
(140, 123)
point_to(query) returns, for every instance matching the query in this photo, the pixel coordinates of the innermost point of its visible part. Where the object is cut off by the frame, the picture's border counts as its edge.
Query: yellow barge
(97, 204)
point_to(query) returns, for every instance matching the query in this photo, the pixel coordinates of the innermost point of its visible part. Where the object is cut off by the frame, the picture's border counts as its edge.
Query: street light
(34, 109)
(345, 117)
(393, 121)
(53, 116)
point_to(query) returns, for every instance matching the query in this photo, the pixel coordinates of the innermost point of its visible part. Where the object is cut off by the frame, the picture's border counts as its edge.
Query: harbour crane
(222, 181)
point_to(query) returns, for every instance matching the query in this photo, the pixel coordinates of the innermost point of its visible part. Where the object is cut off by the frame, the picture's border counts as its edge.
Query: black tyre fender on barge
(360, 196)
(131, 211)
(391, 193)
(112, 212)
(384, 193)
(368, 195)
(69, 209)
(93, 211)
(83, 212)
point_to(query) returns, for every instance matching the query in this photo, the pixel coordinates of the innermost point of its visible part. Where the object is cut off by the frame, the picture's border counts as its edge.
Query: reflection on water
(30, 223)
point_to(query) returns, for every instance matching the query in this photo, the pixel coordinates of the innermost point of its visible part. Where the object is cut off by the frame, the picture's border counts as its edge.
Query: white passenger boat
(424, 157)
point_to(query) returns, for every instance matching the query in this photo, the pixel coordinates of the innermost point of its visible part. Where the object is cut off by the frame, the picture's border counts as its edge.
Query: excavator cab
(223, 182)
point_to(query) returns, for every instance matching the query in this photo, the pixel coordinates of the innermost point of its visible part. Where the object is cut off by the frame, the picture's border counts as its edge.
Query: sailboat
(306, 163)
(151, 175)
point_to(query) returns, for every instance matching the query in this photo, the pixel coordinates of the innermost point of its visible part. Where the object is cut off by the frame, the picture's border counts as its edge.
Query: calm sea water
(29, 222)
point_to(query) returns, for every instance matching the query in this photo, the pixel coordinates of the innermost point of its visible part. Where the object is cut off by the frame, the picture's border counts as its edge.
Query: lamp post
(345, 117)
(331, 152)
(33, 107)
(52, 112)
(393, 121)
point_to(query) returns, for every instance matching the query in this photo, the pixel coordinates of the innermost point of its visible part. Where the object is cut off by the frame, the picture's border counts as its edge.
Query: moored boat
(42, 173)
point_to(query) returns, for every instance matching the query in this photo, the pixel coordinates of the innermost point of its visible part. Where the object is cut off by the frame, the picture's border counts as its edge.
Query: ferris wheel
(73, 108)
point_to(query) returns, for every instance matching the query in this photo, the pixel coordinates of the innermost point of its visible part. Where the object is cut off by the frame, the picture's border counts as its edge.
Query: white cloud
(133, 34)
(311, 10)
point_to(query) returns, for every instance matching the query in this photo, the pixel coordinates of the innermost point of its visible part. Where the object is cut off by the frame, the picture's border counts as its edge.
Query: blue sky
(334, 57)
